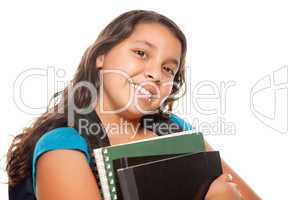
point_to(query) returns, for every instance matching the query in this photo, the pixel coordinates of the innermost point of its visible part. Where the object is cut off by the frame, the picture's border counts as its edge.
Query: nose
(153, 73)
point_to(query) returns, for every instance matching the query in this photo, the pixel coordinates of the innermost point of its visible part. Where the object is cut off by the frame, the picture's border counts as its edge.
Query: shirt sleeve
(58, 138)
(180, 122)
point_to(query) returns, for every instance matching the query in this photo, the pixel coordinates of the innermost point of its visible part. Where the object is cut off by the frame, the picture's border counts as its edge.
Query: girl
(130, 75)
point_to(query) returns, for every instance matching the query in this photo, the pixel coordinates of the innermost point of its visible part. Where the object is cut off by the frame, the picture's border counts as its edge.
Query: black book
(131, 161)
(183, 177)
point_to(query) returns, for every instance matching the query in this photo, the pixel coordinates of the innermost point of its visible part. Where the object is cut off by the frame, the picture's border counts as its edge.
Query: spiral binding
(110, 177)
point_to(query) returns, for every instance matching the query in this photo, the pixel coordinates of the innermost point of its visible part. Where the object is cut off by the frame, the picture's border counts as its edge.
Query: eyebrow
(172, 60)
(149, 44)
(146, 43)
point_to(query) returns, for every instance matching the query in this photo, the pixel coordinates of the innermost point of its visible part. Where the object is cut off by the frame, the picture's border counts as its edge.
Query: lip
(148, 87)
(138, 88)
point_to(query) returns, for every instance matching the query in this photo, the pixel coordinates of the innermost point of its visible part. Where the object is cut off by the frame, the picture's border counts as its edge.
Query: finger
(229, 178)
(225, 178)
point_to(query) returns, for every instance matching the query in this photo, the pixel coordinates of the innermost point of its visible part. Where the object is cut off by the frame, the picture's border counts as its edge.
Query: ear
(99, 61)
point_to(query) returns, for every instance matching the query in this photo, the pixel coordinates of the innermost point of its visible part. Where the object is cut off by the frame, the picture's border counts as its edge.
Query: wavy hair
(20, 152)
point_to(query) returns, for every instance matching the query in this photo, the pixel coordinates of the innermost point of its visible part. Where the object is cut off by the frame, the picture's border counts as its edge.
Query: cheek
(116, 57)
(166, 90)
(113, 80)
(122, 63)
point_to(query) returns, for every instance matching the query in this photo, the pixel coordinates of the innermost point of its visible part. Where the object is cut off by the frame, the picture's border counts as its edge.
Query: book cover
(130, 161)
(178, 178)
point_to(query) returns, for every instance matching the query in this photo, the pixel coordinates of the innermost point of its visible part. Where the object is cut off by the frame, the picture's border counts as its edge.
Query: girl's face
(148, 59)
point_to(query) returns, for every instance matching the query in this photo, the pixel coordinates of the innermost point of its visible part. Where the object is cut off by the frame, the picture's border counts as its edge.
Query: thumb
(226, 178)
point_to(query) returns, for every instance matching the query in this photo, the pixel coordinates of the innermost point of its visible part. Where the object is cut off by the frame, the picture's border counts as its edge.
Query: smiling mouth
(144, 93)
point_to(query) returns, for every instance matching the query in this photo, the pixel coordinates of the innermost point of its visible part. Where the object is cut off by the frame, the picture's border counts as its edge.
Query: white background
(240, 41)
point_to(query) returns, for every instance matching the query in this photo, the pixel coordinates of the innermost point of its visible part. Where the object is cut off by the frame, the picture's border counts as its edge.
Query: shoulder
(61, 138)
(64, 170)
(184, 124)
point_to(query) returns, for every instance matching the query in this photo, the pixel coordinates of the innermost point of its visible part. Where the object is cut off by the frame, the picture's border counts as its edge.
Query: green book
(177, 143)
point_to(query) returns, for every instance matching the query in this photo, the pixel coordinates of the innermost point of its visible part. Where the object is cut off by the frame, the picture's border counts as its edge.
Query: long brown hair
(19, 156)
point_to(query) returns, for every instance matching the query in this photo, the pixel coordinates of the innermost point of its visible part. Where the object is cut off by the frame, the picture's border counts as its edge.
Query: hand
(223, 188)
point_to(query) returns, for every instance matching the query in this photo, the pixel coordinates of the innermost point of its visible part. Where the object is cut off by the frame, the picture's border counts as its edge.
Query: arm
(244, 189)
(65, 174)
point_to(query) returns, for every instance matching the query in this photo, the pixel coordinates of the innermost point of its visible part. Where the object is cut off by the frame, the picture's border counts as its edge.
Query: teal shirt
(69, 138)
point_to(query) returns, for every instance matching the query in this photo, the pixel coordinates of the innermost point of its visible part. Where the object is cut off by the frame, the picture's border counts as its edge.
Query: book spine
(102, 173)
(128, 184)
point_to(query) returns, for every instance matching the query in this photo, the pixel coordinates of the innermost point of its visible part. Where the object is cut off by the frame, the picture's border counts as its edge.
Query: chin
(142, 110)
(138, 107)
(137, 112)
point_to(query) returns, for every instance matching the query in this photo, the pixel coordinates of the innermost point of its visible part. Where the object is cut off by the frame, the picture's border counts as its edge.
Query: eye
(169, 70)
(140, 53)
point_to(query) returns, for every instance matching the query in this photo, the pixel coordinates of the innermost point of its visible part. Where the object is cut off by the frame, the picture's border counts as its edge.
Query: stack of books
(174, 166)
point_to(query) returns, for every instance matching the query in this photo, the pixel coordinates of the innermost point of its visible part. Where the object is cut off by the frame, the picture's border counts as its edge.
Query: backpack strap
(22, 191)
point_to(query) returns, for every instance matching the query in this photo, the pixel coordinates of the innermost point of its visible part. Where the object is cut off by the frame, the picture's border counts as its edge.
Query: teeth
(142, 90)
(146, 92)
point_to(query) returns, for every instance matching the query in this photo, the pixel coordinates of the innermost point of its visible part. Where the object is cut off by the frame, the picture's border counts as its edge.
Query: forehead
(158, 35)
